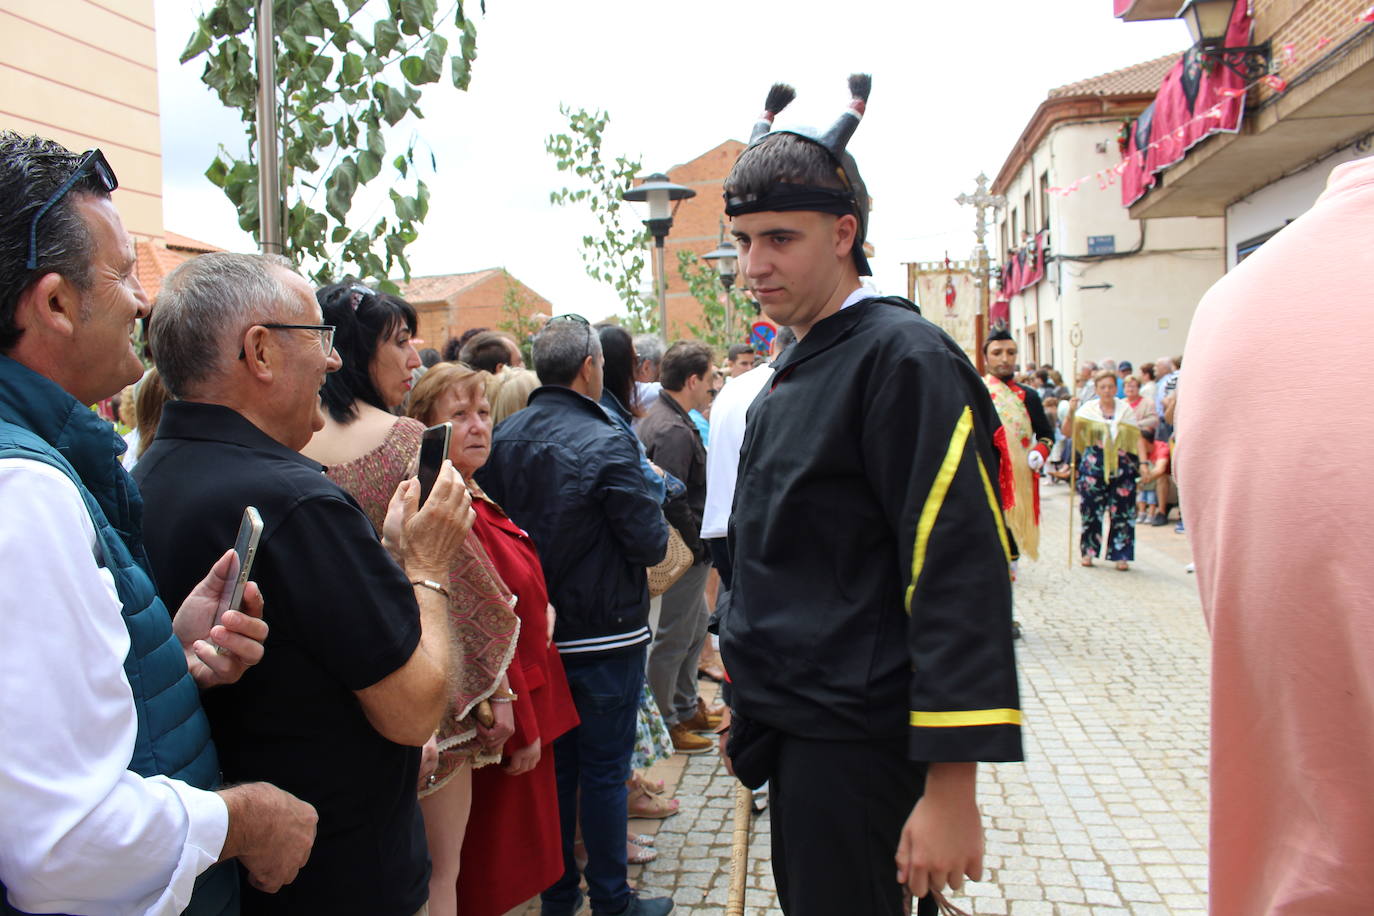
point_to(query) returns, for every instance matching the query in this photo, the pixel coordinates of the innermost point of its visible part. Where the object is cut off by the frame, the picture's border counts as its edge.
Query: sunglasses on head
(92, 161)
(572, 316)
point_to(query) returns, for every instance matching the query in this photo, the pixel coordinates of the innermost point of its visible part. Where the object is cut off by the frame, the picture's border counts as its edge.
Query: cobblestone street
(1109, 812)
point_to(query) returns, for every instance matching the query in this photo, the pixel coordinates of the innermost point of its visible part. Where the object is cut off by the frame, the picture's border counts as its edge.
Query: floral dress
(1112, 496)
(1108, 465)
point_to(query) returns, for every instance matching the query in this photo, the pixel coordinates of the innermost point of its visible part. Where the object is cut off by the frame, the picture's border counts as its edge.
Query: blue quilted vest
(41, 422)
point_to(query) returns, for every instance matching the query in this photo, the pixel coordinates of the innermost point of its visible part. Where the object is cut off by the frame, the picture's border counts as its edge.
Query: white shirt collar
(859, 295)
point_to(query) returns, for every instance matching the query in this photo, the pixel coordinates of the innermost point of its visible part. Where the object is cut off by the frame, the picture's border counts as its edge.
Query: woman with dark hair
(369, 451)
(620, 398)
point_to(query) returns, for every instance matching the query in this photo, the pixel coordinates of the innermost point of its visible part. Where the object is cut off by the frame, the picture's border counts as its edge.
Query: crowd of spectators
(458, 698)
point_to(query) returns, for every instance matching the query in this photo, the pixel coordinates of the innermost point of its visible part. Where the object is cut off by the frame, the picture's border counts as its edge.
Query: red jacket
(513, 848)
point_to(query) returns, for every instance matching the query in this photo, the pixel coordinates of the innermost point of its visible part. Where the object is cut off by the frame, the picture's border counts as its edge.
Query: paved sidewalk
(1109, 812)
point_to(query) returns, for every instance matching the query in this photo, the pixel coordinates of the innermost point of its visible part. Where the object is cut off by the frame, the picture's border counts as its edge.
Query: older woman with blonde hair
(1107, 447)
(509, 391)
(515, 848)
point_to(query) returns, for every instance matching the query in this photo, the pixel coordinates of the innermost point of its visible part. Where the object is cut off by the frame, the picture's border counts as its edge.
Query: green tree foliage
(516, 318)
(345, 70)
(615, 255)
(704, 284)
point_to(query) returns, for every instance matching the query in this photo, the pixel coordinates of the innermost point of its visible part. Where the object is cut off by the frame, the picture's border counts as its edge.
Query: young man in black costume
(868, 636)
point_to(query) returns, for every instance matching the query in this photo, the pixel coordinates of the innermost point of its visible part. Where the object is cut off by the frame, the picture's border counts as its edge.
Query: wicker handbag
(674, 564)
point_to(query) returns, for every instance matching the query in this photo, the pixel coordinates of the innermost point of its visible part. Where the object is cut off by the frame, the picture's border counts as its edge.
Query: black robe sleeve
(928, 448)
(1044, 430)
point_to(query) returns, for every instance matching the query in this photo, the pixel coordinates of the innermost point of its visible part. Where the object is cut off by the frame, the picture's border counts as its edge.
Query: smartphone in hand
(245, 549)
(433, 452)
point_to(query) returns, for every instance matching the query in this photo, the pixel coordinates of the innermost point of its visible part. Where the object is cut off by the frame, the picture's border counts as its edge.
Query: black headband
(785, 196)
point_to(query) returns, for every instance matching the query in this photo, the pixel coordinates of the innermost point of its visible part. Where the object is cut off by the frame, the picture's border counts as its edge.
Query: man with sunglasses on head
(567, 474)
(110, 797)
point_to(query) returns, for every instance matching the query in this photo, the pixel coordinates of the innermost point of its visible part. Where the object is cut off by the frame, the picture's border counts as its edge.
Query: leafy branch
(615, 255)
(338, 88)
(703, 282)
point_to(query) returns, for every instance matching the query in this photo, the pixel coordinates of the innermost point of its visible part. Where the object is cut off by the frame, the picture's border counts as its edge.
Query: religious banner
(1196, 99)
(948, 295)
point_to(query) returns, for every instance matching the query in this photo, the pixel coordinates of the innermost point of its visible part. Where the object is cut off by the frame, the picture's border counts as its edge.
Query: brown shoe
(703, 720)
(685, 742)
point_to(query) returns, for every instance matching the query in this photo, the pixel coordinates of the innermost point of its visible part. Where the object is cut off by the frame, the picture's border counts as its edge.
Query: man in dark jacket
(868, 636)
(565, 473)
(673, 443)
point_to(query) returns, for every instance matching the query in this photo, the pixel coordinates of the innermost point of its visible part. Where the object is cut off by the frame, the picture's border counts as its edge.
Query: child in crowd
(1147, 506)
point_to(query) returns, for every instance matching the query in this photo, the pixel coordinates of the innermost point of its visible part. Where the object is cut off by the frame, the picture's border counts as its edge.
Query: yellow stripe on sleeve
(936, 498)
(965, 718)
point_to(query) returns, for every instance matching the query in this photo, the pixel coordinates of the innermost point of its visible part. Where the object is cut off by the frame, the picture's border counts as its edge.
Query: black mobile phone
(245, 549)
(433, 452)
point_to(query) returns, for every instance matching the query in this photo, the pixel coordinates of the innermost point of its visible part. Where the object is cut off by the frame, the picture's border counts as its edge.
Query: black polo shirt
(342, 615)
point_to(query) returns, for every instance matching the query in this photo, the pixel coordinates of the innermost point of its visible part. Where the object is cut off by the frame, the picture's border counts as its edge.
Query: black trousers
(837, 809)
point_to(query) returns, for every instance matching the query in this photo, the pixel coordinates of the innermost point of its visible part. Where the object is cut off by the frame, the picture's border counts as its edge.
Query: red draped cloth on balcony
(1192, 104)
(1025, 267)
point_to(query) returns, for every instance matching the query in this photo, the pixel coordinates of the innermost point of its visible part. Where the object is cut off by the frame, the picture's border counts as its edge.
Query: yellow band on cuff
(964, 718)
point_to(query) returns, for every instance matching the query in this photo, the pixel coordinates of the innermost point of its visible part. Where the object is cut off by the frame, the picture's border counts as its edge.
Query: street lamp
(1207, 22)
(725, 259)
(659, 193)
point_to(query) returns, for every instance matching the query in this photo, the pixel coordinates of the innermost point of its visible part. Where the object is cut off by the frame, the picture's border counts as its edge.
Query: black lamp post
(726, 261)
(1207, 21)
(662, 197)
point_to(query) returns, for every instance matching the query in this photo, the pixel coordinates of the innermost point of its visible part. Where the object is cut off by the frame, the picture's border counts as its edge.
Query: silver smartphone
(245, 549)
(433, 452)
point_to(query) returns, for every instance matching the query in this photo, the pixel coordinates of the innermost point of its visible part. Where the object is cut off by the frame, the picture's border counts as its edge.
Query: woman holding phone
(514, 807)
(369, 451)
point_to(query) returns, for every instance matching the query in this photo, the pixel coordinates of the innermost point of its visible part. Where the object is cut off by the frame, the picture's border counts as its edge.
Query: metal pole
(1075, 338)
(739, 851)
(984, 294)
(269, 169)
(729, 312)
(662, 291)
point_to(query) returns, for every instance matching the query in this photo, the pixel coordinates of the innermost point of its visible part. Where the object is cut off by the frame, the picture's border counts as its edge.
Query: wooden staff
(739, 853)
(1075, 339)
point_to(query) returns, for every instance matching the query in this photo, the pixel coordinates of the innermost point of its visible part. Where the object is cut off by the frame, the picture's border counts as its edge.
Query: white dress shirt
(727, 437)
(727, 434)
(79, 832)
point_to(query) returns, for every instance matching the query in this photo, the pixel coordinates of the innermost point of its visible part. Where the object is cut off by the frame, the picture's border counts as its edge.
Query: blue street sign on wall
(1101, 244)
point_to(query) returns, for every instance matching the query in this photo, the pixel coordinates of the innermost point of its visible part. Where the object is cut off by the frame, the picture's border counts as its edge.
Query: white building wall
(1276, 205)
(1147, 309)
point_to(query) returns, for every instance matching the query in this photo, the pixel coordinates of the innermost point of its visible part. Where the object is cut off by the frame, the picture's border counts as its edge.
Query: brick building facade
(85, 75)
(450, 304)
(696, 227)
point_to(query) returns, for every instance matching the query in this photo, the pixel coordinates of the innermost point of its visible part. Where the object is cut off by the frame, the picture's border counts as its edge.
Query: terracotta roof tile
(155, 262)
(179, 241)
(158, 258)
(1138, 79)
(443, 286)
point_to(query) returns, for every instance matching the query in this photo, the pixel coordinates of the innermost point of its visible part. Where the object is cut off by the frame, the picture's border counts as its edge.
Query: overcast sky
(954, 84)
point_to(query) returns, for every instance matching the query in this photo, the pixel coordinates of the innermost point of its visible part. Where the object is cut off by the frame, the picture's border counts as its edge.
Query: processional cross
(981, 202)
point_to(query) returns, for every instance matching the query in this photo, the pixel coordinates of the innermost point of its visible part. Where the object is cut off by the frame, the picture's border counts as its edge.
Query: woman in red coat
(513, 847)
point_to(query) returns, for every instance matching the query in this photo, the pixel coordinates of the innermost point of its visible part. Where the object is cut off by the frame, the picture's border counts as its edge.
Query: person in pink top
(1290, 612)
